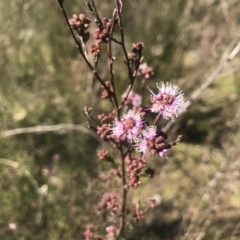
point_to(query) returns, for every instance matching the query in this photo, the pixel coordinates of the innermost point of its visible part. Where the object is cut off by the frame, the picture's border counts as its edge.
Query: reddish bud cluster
(103, 117)
(104, 154)
(156, 144)
(137, 47)
(101, 35)
(103, 131)
(80, 23)
(108, 22)
(136, 53)
(89, 233)
(153, 142)
(134, 169)
(109, 201)
(95, 49)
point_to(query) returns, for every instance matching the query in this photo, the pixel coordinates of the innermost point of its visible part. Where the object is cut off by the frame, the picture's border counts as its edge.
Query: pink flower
(117, 129)
(163, 153)
(133, 124)
(141, 145)
(169, 100)
(142, 142)
(149, 132)
(151, 141)
(130, 124)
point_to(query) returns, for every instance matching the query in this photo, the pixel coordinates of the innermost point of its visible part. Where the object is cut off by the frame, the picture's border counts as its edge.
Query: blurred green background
(51, 193)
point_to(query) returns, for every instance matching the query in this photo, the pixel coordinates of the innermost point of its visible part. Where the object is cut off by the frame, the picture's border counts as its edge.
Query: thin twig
(79, 47)
(96, 13)
(111, 71)
(119, 10)
(124, 195)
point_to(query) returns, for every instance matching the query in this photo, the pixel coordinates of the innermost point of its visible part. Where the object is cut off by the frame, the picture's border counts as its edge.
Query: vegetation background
(49, 188)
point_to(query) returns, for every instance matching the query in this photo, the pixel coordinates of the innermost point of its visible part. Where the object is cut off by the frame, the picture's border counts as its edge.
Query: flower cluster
(101, 35)
(109, 201)
(103, 130)
(104, 155)
(168, 103)
(132, 127)
(102, 32)
(80, 23)
(95, 49)
(104, 117)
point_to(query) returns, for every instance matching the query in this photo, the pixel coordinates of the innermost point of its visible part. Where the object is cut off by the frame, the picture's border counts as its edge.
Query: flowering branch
(79, 47)
(132, 136)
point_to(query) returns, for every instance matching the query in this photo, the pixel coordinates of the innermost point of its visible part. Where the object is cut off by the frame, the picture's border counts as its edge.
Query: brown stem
(119, 9)
(122, 43)
(110, 64)
(79, 47)
(156, 119)
(124, 195)
(96, 13)
(130, 86)
(114, 39)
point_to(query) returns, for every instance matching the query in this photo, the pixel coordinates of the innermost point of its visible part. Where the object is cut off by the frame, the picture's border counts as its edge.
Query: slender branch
(51, 128)
(225, 61)
(156, 119)
(95, 12)
(129, 89)
(79, 47)
(114, 39)
(132, 75)
(130, 85)
(124, 195)
(110, 64)
(119, 10)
